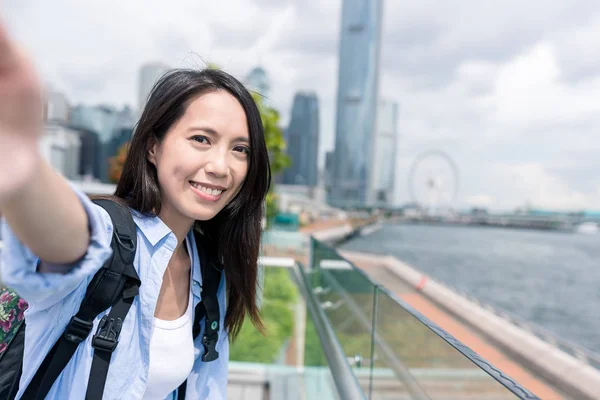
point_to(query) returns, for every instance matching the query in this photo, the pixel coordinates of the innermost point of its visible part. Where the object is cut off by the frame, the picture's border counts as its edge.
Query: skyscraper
(358, 79)
(57, 108)
(101, 119)
(90, 164)
(149, 75)
(384, 155)
(257, 80)
(302, 137)
(61, 147)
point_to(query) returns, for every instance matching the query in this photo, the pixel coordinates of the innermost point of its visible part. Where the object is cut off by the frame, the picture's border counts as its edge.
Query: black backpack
(115, 285)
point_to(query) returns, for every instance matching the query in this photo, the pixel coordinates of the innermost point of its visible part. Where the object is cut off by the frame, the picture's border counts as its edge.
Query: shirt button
(195, 283)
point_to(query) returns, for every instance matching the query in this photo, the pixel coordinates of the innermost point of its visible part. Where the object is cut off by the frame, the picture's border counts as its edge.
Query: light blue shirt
(54, 298)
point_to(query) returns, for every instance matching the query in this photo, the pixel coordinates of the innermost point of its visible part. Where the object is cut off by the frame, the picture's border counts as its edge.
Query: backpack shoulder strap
(106, 338)
(115, 280)
(208, 308)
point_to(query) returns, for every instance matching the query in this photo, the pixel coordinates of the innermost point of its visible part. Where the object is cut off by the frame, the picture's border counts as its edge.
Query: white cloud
(528, 90)
(509, 90)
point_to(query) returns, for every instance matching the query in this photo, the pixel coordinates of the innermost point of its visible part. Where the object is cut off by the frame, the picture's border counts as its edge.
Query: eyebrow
(212, 132)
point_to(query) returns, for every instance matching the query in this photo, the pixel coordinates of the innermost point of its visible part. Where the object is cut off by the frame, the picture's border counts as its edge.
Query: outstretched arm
(37, 202)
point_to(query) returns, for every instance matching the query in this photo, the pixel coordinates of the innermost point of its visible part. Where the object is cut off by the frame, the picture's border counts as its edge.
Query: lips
(207, 193)
(205, 189)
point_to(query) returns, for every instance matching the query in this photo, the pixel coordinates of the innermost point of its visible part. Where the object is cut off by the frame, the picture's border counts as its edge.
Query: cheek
(175, 165)
(241, 173)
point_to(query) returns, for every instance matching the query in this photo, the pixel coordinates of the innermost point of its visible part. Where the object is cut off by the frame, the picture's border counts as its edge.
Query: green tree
(276, 146)
(280, 296)
(115, 164)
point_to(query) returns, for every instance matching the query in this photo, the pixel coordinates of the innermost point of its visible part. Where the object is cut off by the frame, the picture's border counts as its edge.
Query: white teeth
(212, 192)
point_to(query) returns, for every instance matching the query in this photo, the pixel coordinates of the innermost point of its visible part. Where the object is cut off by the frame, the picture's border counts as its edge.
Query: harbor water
(550, 279)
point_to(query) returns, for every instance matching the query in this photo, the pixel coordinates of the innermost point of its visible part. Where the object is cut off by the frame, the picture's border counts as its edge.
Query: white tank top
(171, 355)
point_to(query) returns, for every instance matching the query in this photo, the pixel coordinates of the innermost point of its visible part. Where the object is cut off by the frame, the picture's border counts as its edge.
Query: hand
(21, 118)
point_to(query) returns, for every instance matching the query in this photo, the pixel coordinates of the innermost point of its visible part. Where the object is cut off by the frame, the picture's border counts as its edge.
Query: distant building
(56, 106)
(90, 163)
(327, 173)
(149, 75)
(357, 96)
(109, 124)
(302, 138)
(61, 147)
(101, 119)
(126, 119)
(257, 80)
(384, 155)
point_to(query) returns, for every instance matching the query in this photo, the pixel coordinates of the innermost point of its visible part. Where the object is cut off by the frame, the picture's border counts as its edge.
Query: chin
(204, 213)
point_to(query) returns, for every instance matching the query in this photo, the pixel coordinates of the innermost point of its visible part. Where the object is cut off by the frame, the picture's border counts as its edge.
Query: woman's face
(203, 159)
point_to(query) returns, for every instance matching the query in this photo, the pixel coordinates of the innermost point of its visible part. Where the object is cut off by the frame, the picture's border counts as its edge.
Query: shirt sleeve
(19, 266)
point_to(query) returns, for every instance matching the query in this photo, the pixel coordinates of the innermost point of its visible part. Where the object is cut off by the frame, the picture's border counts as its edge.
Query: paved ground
(380, 273)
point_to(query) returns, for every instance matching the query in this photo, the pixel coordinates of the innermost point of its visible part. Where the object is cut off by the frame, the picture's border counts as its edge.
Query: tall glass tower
(358, 78)
(150, 73)
(258, 81)
(302, 137)
(384, 156)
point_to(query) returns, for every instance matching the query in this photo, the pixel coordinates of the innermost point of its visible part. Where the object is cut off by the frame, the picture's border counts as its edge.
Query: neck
(178, 224)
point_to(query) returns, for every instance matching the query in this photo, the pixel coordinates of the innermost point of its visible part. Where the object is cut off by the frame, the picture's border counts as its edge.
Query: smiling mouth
(206, 192)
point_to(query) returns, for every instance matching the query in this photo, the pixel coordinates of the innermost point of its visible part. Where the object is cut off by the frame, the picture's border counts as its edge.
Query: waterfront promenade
(376, 267)
(539, 365)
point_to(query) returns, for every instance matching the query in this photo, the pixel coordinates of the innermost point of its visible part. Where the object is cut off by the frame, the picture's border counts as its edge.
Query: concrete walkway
(380, 273)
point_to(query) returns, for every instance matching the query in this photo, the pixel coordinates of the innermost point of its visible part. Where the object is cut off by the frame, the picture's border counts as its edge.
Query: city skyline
(509, 97)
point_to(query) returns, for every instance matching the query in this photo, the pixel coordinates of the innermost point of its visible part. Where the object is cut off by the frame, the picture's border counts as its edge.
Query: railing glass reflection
(396, 352)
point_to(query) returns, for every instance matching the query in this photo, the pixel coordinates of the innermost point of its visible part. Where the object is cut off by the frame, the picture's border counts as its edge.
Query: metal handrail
(345, 381)
(580, 352)
(513, 386)
(400, 370)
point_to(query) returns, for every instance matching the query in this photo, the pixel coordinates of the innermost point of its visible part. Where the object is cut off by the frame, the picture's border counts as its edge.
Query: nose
(217, 164)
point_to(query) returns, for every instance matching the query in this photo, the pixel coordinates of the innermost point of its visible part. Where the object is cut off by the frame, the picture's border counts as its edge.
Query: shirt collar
(154, 230)
(152, 227)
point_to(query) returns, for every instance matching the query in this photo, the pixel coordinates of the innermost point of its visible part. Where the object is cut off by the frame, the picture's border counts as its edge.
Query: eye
(242, 149)
(200, 139)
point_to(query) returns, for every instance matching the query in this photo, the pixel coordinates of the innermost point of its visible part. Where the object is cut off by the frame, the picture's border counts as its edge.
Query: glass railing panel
(405, 346)
(289, 360)
(318, 379)
(411, 357)
(265, 366)
(346, 296)
(286, 244)
(349, 312)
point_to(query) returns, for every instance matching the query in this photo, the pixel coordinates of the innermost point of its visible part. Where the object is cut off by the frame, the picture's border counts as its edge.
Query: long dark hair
(235, 231)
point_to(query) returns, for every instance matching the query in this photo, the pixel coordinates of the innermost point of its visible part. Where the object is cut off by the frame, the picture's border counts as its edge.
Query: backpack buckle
(210, 348)
(77, 330)
(107, 336)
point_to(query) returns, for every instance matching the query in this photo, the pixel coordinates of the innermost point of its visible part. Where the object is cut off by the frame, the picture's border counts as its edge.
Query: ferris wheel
(433, 181)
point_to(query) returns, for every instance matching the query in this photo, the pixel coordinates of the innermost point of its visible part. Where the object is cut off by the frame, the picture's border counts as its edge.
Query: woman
(198, 158)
